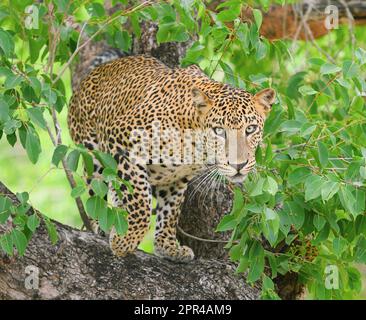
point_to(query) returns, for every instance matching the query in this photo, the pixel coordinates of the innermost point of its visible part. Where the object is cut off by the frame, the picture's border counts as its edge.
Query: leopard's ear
(264, 100)
(200, 100)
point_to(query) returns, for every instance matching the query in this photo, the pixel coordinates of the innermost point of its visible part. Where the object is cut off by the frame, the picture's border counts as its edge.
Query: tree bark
(81, 266)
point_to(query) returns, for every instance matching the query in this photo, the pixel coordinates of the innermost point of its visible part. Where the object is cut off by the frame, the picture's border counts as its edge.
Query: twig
(57, 140)
(109, 21)
(351, 22)
(303, 19)
(330, 81)
(202, 239)
(318, 139)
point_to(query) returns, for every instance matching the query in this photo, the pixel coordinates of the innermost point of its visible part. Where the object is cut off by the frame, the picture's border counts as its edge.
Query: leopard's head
(233, 120)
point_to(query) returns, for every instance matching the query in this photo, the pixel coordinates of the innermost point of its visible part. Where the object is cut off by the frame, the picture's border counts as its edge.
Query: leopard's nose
(239, 166)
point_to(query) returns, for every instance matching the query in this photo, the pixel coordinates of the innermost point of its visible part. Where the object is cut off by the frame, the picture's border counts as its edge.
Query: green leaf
(20, 241)
(313, 187)
(291, 126)
(228, 222)
(32, 145)
(122, 40)
(293, 214)
(109, 175)
(77, 191)
(323, 154)
(256, 256)
(298, 175)
(72, 160)
(5, 205)
(339, 245)
(329, 189)
(235, 252)
(361, 55)
(33, 222)
(96, 206)
(95, 9)
(12, 81)
(23, 197)
(10, 126)
(49, 94)
(106, 160)
(257, 187)
(6, 43)
(4, 110)
(270, 185)
(361, 225)
(348, 200)
(59, 154)
(319, 221)
(243, 265)
(99, 187)
(354, 279)
(363, 172)
(36, 85)
(350, 69)
(51, 229)
(238, 202)
(360, 201)
(88, 163)
(36, 115)
(307, 91)
(229, 14)
(271, 225)
(171, 32)
(267, 283)
(6, 243)
(120, 223)
(257, 17)
(106, 219)
(360, 253)
(35, 47)
(329, 68)
(307, 129)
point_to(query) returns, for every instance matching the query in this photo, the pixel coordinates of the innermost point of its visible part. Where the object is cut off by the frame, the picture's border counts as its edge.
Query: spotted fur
(134, 93)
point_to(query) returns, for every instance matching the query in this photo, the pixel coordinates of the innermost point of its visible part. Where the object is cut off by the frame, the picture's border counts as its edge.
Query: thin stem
(57, 140)
(109, 21)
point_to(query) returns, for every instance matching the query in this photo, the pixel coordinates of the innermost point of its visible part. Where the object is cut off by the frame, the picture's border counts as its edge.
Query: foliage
(309, 189)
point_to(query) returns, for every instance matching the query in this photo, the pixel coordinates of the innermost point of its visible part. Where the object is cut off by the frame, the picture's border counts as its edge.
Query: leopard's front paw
(173, 251)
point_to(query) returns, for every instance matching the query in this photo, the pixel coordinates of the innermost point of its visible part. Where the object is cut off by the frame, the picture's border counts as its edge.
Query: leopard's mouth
(237, 179)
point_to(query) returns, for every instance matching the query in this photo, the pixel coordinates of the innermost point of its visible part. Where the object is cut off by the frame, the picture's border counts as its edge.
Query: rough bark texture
(81, 266)
(201, 213)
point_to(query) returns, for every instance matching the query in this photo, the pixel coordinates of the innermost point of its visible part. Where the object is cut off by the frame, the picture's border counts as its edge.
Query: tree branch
(81, 266)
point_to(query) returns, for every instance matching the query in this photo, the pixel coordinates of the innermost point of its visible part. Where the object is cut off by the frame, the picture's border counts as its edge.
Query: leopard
(139, 93)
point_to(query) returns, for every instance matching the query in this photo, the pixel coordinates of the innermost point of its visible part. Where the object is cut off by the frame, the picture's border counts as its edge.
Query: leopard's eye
(250, 129)
(220, 132)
